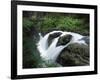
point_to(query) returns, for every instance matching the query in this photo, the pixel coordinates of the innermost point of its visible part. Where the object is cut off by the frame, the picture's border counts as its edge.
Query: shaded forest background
(44, 22)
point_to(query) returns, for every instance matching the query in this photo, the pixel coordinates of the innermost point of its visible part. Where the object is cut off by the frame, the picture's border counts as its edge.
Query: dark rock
(64, 40)
(86, 39)
(74, 55)
(52, 36)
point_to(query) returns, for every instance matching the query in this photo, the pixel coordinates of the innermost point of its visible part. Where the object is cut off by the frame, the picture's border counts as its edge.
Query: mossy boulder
(63, 40)
(74, 55)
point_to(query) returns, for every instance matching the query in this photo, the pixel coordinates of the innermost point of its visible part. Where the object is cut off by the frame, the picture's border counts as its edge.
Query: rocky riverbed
(65, 48)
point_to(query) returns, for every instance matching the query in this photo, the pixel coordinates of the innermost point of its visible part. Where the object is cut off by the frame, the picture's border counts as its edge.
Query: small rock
(86, 39)
(63, 40)
(52, 36)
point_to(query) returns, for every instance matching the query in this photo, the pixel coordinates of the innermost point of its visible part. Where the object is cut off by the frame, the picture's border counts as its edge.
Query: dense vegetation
(44, 22)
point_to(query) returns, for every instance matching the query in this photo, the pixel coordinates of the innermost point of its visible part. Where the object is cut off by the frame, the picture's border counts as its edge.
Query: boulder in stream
(74, 55)
(63, 40)
(52, 36)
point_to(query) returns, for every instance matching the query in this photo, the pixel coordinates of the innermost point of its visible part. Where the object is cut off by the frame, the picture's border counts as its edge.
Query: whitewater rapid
(51, 52)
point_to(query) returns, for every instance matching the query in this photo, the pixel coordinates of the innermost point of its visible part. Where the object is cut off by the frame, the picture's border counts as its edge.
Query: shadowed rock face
(74, 55)
(52, 36)
(63, 40)
(86, 39)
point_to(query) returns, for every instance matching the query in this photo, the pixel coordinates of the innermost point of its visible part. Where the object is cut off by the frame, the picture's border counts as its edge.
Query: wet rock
(86, 39)
(74, 55)
(63, 40)
(52, 36)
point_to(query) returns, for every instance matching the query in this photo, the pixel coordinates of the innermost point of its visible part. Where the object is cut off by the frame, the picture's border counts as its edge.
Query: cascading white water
(51, 52)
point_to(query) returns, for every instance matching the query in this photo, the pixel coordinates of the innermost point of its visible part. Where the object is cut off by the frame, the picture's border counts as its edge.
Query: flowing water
(51, 52)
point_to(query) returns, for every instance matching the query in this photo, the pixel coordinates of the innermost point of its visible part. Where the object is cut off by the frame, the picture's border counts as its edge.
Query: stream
(51, 52)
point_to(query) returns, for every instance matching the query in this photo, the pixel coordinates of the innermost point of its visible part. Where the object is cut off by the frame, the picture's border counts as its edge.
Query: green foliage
(27, 23)
(31, 56)
(69, 22)
(65, 23)
(48, 22)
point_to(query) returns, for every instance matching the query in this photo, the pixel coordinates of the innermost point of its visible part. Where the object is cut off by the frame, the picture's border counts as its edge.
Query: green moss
(27, 23)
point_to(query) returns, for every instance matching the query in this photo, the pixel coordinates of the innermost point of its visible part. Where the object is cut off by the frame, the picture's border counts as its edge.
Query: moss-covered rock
(74, 55)
(63, 40)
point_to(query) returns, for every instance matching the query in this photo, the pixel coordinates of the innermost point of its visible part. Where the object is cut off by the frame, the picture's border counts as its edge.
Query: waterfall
(51, 52)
